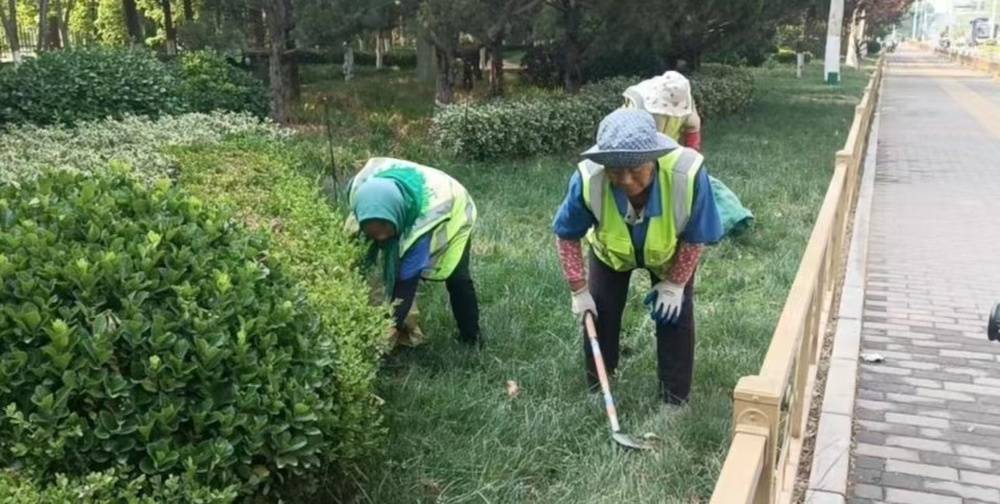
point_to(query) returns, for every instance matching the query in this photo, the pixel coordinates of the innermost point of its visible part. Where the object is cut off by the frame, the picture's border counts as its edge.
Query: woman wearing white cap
(668, 98)
(642, 202)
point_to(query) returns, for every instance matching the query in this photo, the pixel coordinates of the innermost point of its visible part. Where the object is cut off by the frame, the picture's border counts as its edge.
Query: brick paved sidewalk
(927, 420)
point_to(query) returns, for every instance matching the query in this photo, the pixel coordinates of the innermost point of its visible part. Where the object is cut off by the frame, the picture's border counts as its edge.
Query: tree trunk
(132, 22)
(43, 24)
(831, 61)
(64, 26)
(571, 21)
(496, 66)
(862, 42)
(168, 27)
(258, 42)
(188, 10)
(852, 47)
(9, 19)
(445, 76)
(378, 49)
(348, 67)
(426, 71)
(279, 20)
(54, 32)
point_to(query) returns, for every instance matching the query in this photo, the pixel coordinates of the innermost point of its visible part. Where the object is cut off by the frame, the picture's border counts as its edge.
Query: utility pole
(993, 21)
(831, 65)
(927, 24)
(916, 14)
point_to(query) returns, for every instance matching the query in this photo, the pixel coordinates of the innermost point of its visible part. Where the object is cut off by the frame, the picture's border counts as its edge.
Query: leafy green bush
(139, 142)
(110, 487)
(788, 56)
(93, 83)
(555, 122)
(720, 90)
(142, 328)
(265, 183)
(210, 83)
(67, 87)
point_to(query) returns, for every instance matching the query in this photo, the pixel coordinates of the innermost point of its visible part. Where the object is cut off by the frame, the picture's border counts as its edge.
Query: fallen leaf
(512, 389)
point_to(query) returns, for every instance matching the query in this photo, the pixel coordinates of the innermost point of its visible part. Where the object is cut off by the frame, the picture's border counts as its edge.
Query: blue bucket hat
(628, 138)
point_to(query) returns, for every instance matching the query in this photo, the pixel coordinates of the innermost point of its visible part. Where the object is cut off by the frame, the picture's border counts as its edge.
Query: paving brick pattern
(927, 420)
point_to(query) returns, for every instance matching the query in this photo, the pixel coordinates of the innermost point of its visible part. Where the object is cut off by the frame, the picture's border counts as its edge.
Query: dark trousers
(674, 343)
(461, 293)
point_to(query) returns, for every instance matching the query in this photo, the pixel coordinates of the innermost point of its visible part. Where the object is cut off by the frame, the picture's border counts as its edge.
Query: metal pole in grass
(834, 27)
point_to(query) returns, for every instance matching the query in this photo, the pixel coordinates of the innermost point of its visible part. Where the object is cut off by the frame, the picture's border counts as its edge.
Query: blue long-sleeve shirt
(573, 219)
(416, 260)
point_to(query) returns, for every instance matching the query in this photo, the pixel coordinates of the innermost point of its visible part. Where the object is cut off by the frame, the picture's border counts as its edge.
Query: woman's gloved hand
(582, 303)
(665, 302)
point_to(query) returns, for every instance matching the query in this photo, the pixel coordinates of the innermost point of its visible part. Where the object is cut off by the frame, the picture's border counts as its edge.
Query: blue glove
(665, 302)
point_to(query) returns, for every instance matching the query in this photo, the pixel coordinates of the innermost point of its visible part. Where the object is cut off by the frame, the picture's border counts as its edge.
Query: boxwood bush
(111, 486)
(720, 90)
(142, 328)
(66, 87)
(140, 142)
(92, 83)
(209, 83)
(552, 122)
(266, 184)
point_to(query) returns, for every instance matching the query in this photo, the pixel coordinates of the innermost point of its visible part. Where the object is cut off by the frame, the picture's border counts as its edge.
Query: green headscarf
(398, 196)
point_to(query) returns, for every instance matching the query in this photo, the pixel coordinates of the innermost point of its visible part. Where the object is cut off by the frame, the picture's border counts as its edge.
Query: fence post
(757, 410)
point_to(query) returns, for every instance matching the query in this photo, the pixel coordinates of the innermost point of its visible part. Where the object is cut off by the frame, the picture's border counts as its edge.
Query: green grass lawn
(455, 434)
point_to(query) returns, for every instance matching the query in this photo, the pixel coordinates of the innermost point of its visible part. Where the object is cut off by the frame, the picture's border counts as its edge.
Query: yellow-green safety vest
(450, 215)
(670, 125)
(610, 238)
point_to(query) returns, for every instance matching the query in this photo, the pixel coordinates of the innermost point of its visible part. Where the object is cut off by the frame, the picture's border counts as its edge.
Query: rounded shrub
(554, 122)
(720, 90)
(145, 331)
(208, 83)
(93, 83)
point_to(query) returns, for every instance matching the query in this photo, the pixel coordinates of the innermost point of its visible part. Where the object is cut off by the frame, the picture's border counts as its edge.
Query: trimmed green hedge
(720, 90)
(66, 87)
(269, 183)
(140, 327)
(788, 56)
(552, 122)
(210, 83)
(140, 142)
(110, 487)
(262, 181)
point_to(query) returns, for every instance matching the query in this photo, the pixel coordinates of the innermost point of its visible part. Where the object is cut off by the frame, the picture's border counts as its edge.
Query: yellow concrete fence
(771, 408)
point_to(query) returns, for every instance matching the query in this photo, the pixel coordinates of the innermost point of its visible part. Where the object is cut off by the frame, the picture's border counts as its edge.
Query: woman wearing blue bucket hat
(642, 202)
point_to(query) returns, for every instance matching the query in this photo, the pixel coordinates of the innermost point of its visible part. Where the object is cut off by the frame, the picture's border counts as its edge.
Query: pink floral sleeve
(685, 262)
(571, 257)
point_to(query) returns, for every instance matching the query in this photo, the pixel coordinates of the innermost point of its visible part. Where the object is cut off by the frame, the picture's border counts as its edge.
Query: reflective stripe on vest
(449, 218)
(610, 238)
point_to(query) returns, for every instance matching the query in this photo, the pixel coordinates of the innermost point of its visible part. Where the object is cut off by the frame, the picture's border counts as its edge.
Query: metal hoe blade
(630, 442)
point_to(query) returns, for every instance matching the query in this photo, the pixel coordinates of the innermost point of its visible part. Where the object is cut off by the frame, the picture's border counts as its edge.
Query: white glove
(665, 302)
(583, 302)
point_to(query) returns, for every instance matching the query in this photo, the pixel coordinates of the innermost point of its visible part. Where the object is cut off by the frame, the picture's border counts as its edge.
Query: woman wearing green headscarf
(419, 221)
